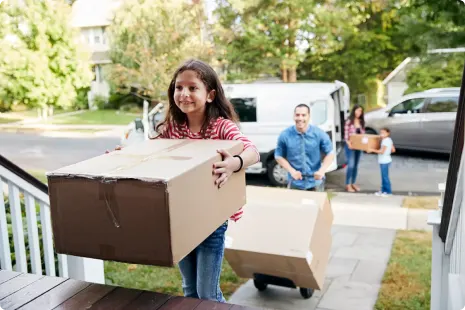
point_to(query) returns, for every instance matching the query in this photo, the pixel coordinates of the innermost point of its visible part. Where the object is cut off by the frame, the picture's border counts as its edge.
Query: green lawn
(38, 174)
(160, 279)
(421, 202)
(407, 280)
(4, 120)
(98, 117)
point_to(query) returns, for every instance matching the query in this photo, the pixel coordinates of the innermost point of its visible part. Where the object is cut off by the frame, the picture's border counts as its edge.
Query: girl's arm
(380, 151)
(227, 130)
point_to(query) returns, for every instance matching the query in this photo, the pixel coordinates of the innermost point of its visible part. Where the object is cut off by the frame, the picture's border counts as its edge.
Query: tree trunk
(284, 75)
(292, 75)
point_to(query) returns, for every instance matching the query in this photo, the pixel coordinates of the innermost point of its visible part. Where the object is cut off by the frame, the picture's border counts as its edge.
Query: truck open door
(341, 98)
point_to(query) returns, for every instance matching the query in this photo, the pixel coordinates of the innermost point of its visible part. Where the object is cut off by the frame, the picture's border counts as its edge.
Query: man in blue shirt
(299, 152)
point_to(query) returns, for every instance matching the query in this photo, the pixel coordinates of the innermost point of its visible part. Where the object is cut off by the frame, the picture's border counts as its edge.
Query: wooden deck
(30, 291)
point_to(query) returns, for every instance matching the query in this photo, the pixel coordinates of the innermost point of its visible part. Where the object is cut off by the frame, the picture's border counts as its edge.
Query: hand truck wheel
(260, 285)
(306, 292)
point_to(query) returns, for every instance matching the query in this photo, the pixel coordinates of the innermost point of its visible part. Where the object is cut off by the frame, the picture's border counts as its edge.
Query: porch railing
(448, 265)
(26, 243)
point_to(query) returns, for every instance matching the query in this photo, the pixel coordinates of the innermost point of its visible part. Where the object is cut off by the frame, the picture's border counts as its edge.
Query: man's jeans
(385, 182)
(353, 159)
(319, 188)
(201, 268)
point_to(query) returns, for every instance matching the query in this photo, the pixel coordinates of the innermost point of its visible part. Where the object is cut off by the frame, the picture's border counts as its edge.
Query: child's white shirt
(385, 158)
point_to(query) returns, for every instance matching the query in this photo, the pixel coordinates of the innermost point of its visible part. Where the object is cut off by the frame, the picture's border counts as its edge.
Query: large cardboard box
(150, 203)
(363, 142)
(284, 233)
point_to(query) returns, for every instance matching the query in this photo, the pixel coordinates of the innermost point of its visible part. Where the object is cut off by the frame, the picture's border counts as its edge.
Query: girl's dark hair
(219, 107)
(362, 116)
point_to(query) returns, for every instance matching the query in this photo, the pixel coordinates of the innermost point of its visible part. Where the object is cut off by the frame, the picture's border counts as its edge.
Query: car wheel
(276, 174)
(370, 131)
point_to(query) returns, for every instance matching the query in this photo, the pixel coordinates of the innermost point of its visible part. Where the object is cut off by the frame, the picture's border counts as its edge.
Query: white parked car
(422, 121)
(265, 110)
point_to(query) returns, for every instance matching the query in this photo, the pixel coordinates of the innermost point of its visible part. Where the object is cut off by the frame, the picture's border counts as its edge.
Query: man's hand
(296, 175)
(319, 175)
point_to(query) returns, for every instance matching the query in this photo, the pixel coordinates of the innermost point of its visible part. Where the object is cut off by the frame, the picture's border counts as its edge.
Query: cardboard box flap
(285, 196)
(253, 233)
(142, 161)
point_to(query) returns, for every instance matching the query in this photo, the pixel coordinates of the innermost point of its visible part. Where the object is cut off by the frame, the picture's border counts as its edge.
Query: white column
(86, 269)
(434, 219)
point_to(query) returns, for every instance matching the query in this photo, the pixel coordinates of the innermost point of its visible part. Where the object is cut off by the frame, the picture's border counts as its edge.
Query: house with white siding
(93, 18)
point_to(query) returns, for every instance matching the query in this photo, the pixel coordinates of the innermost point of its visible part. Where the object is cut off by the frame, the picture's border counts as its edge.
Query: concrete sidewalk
(368, 210)
(359, 257)
(363, 233)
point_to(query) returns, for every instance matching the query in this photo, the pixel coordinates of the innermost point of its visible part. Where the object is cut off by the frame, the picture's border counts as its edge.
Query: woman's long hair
(219, 107)
(362, 116)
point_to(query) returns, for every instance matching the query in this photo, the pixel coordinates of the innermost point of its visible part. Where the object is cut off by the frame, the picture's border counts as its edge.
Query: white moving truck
(265, 110)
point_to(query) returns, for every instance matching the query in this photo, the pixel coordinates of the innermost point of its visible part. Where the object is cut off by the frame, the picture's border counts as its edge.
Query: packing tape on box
(107, 250)
(150, 157)
(107, 194)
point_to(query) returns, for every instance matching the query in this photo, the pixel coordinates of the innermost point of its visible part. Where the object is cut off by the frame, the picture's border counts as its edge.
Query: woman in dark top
(355, 124)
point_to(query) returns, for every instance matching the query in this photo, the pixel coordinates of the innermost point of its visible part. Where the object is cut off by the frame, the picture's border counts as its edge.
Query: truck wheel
(260, 285)
(306, 292)
(276, 174)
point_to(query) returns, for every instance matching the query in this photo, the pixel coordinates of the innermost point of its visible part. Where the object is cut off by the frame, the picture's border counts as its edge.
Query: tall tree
(149, 39)
(436, 71)
(263, 36)
(368, 48)
(40, 62)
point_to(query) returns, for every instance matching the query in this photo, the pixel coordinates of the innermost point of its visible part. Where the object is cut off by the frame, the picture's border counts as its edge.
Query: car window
(246, 108)
(443, 104)
(318, 112)
(409, 106)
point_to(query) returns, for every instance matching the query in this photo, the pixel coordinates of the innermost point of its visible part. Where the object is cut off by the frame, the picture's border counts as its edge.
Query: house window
(246, 108)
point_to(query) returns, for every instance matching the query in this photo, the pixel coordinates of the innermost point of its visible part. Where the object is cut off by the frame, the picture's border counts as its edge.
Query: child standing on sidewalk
(384, 160)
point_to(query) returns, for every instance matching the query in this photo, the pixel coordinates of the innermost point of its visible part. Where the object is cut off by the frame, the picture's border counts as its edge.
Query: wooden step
(30, 291)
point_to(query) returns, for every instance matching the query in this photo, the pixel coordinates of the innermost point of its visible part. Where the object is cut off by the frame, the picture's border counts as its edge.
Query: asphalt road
(411, 173)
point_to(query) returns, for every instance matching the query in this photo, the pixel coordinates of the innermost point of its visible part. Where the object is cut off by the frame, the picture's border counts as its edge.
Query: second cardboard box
(284, 233)
(363, 142)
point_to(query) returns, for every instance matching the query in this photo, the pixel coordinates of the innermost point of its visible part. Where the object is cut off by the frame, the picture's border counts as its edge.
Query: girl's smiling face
(190, 94)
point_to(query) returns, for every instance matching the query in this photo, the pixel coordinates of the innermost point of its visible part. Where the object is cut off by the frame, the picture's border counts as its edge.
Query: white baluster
(5, 254)
(47, 239)
(33, 233)
(63, 265)
(18, 232)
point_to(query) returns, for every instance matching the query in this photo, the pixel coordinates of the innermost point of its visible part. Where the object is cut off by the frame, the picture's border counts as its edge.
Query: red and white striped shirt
(219, 129)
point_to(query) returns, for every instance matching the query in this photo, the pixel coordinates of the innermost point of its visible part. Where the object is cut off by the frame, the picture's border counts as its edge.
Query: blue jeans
(201, 268)
(353, 158)
(385, 182)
